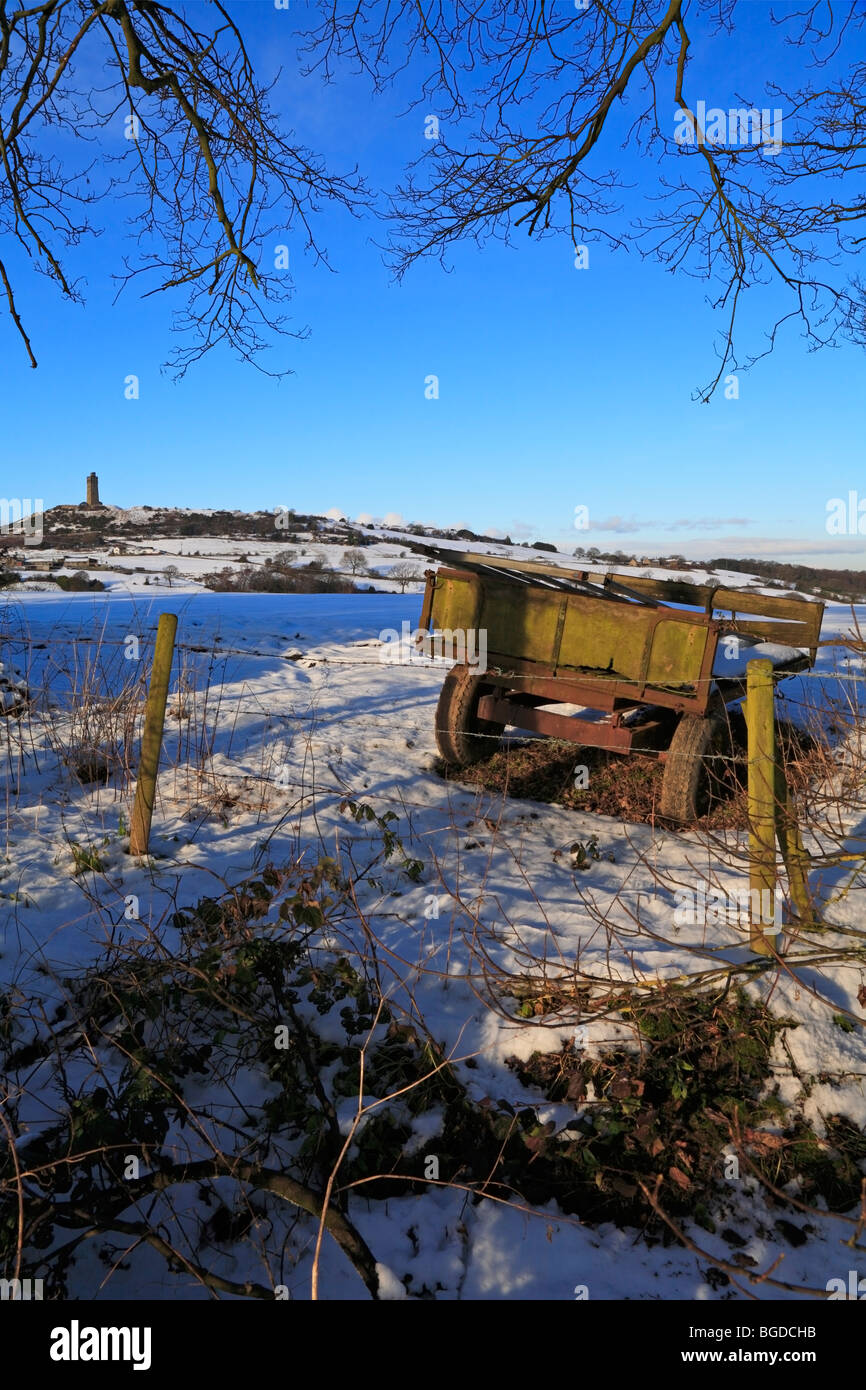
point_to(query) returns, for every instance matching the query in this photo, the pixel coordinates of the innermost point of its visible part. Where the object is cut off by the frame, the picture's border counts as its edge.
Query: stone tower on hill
(93, 490)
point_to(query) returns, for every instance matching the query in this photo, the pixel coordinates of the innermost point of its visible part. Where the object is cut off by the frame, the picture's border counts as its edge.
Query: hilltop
(102, 531)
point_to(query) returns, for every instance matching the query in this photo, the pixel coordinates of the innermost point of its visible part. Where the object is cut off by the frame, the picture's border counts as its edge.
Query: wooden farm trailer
(649, 664)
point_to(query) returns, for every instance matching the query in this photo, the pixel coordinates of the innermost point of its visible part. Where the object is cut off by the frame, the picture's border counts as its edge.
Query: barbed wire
(442, 665)
(573, 676)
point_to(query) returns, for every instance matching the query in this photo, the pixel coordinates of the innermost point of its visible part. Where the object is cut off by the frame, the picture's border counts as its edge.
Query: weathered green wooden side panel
(797, 620)
(677, 653)
(605, 636)
(575, 632)
(521, 623)
(454, 603)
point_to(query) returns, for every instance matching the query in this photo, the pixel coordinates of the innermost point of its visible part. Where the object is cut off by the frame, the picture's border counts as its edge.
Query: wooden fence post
(762, 800)
(794, 854)
(151, 738)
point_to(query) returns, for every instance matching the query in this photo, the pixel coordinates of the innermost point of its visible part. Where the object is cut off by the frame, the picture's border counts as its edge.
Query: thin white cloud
(619, 525)
(834, 550)
(628, 525)
(707, 523)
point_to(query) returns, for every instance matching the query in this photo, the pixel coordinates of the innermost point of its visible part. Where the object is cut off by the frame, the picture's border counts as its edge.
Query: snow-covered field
(281, 709)
(146, 560)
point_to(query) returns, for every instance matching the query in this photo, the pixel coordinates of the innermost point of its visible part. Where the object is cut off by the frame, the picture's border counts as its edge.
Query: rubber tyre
(462, 737)
(687, 786)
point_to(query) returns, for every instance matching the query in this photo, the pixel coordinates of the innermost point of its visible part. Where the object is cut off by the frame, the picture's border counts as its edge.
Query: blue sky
(557, 387)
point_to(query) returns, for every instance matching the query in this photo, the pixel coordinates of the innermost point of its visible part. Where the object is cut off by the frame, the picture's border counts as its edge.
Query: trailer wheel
(461, 736)
(690, 777)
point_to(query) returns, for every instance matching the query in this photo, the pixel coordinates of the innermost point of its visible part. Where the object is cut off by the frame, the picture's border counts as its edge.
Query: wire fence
(327, 658)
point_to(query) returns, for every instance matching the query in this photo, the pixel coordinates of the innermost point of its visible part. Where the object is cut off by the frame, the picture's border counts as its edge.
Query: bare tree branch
(210, 177)
(529, 94)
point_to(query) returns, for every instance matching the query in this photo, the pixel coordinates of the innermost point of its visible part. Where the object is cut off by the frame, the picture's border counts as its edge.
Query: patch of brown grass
(627, 787)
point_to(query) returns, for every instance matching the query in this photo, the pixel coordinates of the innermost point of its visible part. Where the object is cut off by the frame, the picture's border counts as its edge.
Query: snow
(303, 712)
(734, 662)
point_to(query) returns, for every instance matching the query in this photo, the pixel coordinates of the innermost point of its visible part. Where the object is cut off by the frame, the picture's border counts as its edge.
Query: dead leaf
(624, 1086)
(679, 1177)
(576, 1088)
(762, 1141)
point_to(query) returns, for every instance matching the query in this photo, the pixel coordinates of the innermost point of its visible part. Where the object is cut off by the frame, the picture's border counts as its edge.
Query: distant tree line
(619, 557)
(271, 578)
(70, 583)
(848, 584)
